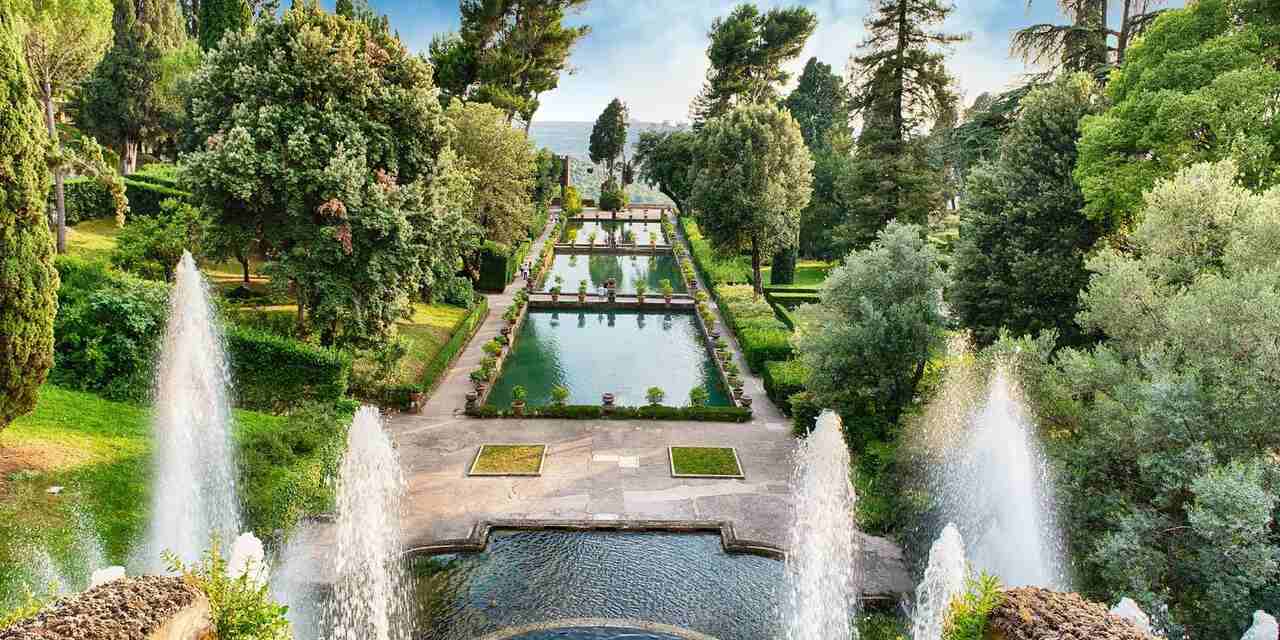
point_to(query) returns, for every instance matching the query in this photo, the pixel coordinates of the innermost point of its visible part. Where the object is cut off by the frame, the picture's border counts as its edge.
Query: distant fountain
(992, 481)
(370, 597)
(194, 494)
(1129, 610)
(943, 581)
(823, 584)
(1264, 627)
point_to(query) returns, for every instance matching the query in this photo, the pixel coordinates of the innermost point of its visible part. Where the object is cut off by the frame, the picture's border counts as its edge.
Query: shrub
(664, 285)
(967, 617)
(715, 269)
(499, 264)
(655, 395)
(274, 373)
(613, 197)
(433, 373)
(86, 199)
(492, 348)
(698, 397)
(804, 413)
(147, 198)
(161, 173)
(519, 393)
(457, 291)
(559, 395)
(783, 379)
(572, 201)
(783, 269)
(241, 607)
(761, 335)
(151, 246)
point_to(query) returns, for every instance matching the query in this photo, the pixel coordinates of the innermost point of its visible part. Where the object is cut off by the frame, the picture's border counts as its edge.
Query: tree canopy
(819, 103)
(665, 159)
(609, 136)
(501, 164)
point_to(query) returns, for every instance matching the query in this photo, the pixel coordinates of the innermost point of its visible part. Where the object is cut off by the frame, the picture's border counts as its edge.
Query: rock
(1129, 610)
(1264, 627)
(103, 576)
(54, 490)
(883, 567)
(144, 608)
(1031, 613)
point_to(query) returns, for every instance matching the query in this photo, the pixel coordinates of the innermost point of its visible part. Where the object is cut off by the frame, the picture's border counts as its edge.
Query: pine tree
(217, 17)
(345, 8)
(28, 281)
(1087, 43)
(609, 136)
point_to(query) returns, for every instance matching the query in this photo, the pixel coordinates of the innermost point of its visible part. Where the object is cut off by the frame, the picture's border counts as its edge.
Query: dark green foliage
(783, 267)
(664, 160)
(217, 17)
(782, 380)
(345, 8)
(761, 335)
(613, 197)
(1020, 261)
(820, 104)
(499, 265)
(804, 413)
(792, 298)
(108, 328)
(457, 291)
(609, 137)
(28, 281)
(151, 246)
(147, 197)
(90, 199)
(86, 199)
(596, 412)
(883, 626)
(274, 373)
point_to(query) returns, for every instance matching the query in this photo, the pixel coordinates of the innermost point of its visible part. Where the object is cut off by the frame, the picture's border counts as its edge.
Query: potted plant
(479, 378)
(698, 397)
(745, 401)
(591, 239)
(555, 290)
(655, 396)
(559, 395)
(492, 348)
(518, 394)
(641, 288)
(664, 285)
(582, 291)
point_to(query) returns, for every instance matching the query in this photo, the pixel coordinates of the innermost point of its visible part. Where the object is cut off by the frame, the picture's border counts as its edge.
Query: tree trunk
(244, 264)
(60, 202)
(755, 266)
(301, 323)
(129, 157)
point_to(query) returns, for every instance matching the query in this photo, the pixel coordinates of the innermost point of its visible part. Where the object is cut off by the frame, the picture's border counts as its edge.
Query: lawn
(98, 451)
(509, 459)
(704, 461)
(93, 239)
(809, 274)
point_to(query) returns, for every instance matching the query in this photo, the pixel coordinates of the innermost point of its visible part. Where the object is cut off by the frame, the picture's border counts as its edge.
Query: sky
(652, 53)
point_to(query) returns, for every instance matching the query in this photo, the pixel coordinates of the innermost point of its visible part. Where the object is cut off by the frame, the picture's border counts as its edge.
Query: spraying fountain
(822, 581)
(370, 591)
(943, 581)
(194, 478)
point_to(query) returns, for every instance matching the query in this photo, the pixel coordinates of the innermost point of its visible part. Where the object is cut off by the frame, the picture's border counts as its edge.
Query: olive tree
(753, 178)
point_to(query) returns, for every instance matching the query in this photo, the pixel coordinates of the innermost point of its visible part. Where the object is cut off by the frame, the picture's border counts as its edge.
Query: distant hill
(574, 139)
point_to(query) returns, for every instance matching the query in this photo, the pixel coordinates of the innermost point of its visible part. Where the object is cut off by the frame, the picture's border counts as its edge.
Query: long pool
(579, 232)
(626, 271)
(623, 353)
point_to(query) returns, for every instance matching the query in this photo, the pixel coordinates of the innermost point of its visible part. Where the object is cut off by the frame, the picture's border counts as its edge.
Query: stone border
(736, 460)
(542, 461)
(606, 623)
(478, 541)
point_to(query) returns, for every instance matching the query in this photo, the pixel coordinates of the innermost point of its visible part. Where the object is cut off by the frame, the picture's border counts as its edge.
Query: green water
(621, 231)
(623, 353)
(626, 270)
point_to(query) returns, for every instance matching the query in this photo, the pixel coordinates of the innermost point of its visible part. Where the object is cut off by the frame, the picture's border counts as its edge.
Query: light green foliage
(753, 179)
(151, 246)
(882, 626)
(1179, 403)
(572, 204)
(559, 394)
(28, 282)
(1199, 86)
(501, 162)
(613, 196)
(866, 344)
(664, 159)
(967, 618)
(698, 397)
(31, 605)
(655, 395)
(64, 40)
(220, 16)
(609, 137)
(1019, 264)
(747, 51)
(241, 608)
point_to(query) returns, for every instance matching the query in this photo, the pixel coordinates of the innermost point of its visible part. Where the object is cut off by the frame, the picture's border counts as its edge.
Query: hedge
(597, 412)
(88, 199)
(762, 336)
(783, 379)
(433, 373)
(791, 299)
(784, 314)
(804, 413)
(145, 197)
(498, 265)
(163, 174)
(715, 269)
(275, 373)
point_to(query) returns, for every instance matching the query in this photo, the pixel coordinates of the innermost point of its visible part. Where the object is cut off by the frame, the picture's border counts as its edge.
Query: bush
(538, 222)
(161, 173)
(275, 373)
(86, 199)
(241, 607)
(457, 291)
(761, 335)
(715, 269)
(698, 397)
(499, 264)
(448, 353)
(613, 197)
(655, 396)
(804, 413)
(783, 379)
(572, 201)
(559, 394)
(147, 198)
(151, 246)
(783, 269)
(967, 618)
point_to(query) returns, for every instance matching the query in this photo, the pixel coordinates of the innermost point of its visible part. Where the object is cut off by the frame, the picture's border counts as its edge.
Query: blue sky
(651, 53)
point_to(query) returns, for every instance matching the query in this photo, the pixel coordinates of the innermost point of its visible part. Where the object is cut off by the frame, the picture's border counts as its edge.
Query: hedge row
(165, 175)
(88, 199)
(498, 265)
(597, 412)
(762, 336)
(792, 300)
(715, 269)
(783, 379)
(434, 372)
(274, 373)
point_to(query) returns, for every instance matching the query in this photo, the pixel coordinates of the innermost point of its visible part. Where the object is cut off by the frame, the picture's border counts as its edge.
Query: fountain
(822, 581)
(1129, 610)
(1264, 627)
(370, 596)
(194, 475)
(943, 580)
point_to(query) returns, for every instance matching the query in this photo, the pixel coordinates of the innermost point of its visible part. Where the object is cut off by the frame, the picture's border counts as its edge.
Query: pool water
(529, 577)
(622, 232)
(626, 271)
(623, 353)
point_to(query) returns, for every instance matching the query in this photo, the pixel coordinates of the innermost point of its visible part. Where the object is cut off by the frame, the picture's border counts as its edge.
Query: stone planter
(582, 297)
(480, 388)
(517, 407)
(472, 397)
(745, 401)
(555, 297)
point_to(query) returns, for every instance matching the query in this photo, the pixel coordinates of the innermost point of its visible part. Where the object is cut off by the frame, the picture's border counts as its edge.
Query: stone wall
(146, 608)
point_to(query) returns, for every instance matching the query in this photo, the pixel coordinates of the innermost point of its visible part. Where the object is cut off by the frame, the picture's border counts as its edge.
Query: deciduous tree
(664, 160)
(220, 16)
(501, 164)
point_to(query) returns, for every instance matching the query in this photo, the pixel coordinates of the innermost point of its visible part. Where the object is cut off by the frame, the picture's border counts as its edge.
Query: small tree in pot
(559, 395)
(582, 291)
(518, 395)
(698, 397)
(555, 290)
(641, 288)
(664, 285)
(655, 396)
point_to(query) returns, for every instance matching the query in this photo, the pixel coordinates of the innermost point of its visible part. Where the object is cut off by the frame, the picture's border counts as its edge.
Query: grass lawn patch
(93, 239)
(809, 273)
(509, 460)
(705, 461)
(99, 452)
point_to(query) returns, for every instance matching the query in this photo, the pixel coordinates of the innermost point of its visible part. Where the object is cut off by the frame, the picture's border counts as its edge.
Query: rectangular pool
(625, 270)
(579, 232)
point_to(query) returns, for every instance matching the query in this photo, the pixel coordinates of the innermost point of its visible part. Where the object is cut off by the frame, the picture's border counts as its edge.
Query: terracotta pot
(745, 401)
(517, 407)
(506, 331)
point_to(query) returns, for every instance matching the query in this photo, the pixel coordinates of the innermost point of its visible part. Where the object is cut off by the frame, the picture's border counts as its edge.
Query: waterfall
(822, 581)
(943, 581)
(193, 485)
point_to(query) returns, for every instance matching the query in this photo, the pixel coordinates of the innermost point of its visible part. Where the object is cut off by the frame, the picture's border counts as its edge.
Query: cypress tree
(28, 281)
(217, 17)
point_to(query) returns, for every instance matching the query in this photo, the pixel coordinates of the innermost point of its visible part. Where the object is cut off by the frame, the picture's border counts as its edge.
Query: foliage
(1020, 260)
(747, 52)
(698, 397)
(832, 200)
(866, 344)
(1199, 86)
(275, 373)
(715, 268)
(151, 246)
(820, 105)
(783, 379)
(519, 393)
(354, 196)
(498, 265)
(559, 394)
(613, 197)
(1084, 45)
(783, 269)
(546, 183)
(456, 291)
(762, 337)
(63, 41)
(501, 161)
(572, 204)
(967, 617)
(655, 395)
(217, 17)
(506, 53)
(664, 159)
(883, 626)
(753, 179)
(241, 606)
(28, 281)
(692, 413)
(1163, 431)
(609, 138)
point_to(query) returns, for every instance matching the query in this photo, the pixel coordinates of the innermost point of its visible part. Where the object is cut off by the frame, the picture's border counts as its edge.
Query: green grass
(99, 451)
(509, 458)
(93, 239)
(705, 461)
(809, 273)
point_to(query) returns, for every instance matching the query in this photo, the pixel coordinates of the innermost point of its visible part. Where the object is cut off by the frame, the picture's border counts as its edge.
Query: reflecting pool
(529, 577)
(626, 271)
(623, 353)
(579, 231)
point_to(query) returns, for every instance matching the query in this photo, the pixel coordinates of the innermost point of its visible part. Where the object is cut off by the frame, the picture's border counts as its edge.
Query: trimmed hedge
(791, 300)
(714, 269)
(88, 199)
(784, 314)
(275, 373)
(145, 197)
(760, 334)
(804, 413)
(498, 265)
(163, 174)
(597, 412)
(782, 380)
(433, 373)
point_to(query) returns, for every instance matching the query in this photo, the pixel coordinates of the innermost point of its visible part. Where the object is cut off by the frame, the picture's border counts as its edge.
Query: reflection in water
(596, 356)
(579, 232)
(625, 270)
(529, 577)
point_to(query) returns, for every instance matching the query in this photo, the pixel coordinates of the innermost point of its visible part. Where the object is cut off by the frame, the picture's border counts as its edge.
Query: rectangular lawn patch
(508, 460)
(705, 462)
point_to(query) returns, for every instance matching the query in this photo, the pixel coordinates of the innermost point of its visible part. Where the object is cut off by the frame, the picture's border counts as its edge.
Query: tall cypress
(28, 281)
(217, 17)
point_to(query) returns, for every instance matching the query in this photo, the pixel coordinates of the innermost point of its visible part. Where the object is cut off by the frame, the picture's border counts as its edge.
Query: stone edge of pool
(606, 623)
